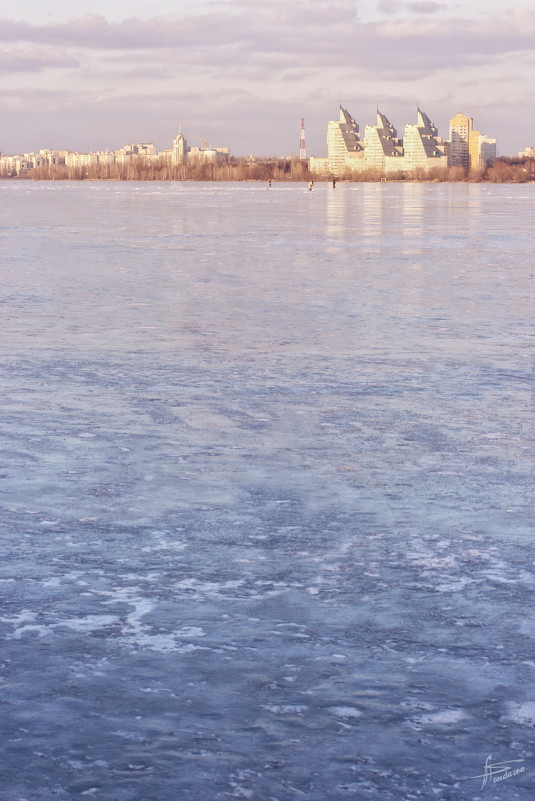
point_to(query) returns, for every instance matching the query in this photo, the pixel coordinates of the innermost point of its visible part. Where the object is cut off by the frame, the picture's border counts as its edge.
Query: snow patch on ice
(137, 634)
(41, 631)
(164, 643)
(345, 711)
(287, 709)
(429, 562)
(23, 623)
(522, 713)
(453, 585)
(163, 545)
(88, 623)
(444, 717)
(23, 616)
(211, 589)
(142, 607)
(189, 631)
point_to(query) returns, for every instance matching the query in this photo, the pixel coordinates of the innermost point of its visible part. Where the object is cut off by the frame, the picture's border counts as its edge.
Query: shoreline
(466, 180)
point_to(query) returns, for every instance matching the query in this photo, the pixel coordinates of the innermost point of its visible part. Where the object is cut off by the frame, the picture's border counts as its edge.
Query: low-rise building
(106, 157)
(12, 165)
(53, 157)
(181, 153)
(81, 159)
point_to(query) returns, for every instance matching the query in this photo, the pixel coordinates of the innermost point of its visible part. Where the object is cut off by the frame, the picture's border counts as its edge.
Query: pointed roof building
(344, 145)
(349, 131)
(381, 139)
(381, 151)
(422, 145)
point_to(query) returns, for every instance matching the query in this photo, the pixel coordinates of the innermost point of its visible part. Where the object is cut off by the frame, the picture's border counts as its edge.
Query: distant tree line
(141, 169)
(502, 170)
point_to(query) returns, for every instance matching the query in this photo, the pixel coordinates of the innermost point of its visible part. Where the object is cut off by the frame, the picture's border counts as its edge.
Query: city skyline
(245, 72)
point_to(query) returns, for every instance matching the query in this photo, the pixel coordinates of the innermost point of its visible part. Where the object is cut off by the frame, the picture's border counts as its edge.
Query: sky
(99, 74)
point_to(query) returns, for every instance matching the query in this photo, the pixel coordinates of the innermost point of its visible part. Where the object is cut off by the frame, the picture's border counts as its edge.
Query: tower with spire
(180, 148)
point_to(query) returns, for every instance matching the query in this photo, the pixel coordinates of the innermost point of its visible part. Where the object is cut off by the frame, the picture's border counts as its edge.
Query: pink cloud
(34, 59)
(426, 7)
(287, 34)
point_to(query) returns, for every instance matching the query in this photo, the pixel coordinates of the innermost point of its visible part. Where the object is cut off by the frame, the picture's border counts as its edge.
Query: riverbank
(503, 170)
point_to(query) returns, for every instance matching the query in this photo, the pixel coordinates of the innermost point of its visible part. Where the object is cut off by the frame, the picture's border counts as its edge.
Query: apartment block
(15, 165)
(179, 150)
(81, 159)
(181, 153)
(460, 130)
(380, 151)
(468, 148)
(423, 149)
(383, 151)
(482, 150)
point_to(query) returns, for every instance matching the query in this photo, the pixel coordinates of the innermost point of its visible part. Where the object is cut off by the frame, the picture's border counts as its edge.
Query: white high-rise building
(383, 149)
(343, 142)
(423, 149)
(380, 151)
(180, 150)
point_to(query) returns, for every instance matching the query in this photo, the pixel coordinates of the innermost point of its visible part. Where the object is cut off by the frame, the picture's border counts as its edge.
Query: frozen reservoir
(267, 519)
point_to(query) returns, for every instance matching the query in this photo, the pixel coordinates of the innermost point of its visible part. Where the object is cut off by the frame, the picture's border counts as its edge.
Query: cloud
(391, 7)
(426, 7)
(388, 6)
(301, 13)
(523, 17)
(282, 35)
(32, 59)
(278, 52)
(88, 118)
(278, 19)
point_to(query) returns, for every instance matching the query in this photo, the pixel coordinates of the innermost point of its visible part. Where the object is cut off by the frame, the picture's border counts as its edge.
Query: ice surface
(267, 491)
(523, 713)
